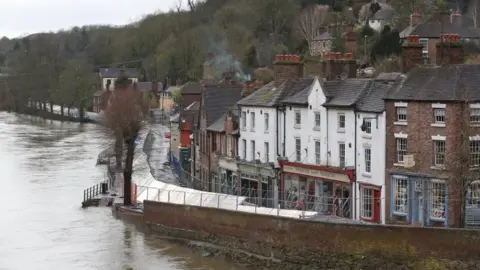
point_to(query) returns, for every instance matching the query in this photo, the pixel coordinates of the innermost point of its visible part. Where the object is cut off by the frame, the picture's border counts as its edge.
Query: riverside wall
(287, 243)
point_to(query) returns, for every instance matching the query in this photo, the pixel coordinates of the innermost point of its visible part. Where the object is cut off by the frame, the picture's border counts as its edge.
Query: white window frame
(367, 154)
(297, 118)
(438, 199)
(368, 126)
(252, 121)
(252, 145)
(399, 113)
(474, 155)
(228, 141)
(400, 151)
(244, 142)
(317, 122)
(341, 154)
(439, 151)
(438, 117)
(367, 205)
(424, 42)
(473, 194)
(266, 147)
(318, 153)
(244, 120)
(474, 114)
(400, 195)
(298, 149)
(340, 121)
(266, 117)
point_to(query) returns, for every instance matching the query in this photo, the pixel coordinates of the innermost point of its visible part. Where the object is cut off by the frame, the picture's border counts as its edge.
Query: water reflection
(45, 166)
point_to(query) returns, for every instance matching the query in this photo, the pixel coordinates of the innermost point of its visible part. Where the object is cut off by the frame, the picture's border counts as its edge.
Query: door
(377, 206)
(418, 208)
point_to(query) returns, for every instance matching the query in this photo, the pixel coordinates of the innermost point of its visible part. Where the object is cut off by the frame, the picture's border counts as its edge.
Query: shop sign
(256, 170)
(317, 173)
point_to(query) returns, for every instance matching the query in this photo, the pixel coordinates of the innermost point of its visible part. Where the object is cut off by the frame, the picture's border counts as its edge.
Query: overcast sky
(20, 17)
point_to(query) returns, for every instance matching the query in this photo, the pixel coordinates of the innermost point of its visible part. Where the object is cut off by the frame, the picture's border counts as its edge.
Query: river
(45, 167)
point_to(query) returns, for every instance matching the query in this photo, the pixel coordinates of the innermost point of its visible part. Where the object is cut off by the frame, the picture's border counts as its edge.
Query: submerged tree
(125, 117)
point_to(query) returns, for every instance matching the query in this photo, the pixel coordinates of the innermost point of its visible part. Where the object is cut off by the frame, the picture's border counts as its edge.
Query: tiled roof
(323, 36)
(192, 88)
(345, 93)
(147, 86)
(218, 125)
(270, 96)
(435, 83)
(371, 99)
(383, 14)
(434, 29)
(115, 72)
(218, 99)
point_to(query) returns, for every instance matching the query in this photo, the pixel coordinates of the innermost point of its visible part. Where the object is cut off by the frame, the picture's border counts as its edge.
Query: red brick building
(433, 139)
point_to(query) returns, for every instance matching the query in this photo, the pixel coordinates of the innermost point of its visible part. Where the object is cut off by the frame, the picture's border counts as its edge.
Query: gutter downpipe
(354, 212)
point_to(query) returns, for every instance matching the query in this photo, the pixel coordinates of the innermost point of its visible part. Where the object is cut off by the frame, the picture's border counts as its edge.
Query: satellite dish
(343, 76)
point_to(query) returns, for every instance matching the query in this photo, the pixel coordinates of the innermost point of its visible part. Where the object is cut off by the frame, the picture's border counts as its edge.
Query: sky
(21, 17)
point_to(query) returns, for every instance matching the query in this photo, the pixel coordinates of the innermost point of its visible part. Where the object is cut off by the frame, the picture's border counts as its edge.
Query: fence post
(169, 196)
(148, 188)
(218, 201)
(278, 209)
(236, 205)
(255, 208)
(184, 197)
(158, 195)
(201, 198)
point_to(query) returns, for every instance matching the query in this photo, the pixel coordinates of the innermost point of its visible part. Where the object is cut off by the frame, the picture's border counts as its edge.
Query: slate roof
(439, 83)
(323, 36)
(115, 72)
(433, 28)
(345, 93)
(190, 114)
(99, 93)
(271, 96)
(383, 14)
(170, 89)
(147, 86)
(372, 99)
(191, 88)
(218, 99)
(219, 124)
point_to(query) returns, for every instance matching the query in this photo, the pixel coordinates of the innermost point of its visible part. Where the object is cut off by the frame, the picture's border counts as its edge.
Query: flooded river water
(45, 166)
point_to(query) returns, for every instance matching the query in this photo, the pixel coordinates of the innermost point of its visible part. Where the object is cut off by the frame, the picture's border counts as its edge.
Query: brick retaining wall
(317, 244)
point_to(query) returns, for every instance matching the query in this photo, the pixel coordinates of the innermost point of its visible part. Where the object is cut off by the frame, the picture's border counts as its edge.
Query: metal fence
(92, 192)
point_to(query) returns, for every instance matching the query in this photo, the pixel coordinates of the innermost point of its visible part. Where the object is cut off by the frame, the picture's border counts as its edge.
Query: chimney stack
(456, 17)
(449, 50)
(334, 64)
(415, 18)
(412, 54)
(287, 67)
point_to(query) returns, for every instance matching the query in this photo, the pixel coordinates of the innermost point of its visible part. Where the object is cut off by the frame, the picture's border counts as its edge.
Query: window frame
(297, 119)
(367, 151)
(399, 112)
(369, 201)
(438, 155)
(244, 141)
(318, 153)
(244, 120)
(266, 147)
(298, 149)
(266, 119)
(437, 116)
(341, 121)
(474, 156)
(252, 121)
(398, 143)
(252, 151)
(436, 215)
(474, 117)
(368, 125)
(341, 155)
(228, 142)
(317, 125)
(403, 183)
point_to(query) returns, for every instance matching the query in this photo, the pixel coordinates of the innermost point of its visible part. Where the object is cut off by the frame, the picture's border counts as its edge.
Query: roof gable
(218, 99)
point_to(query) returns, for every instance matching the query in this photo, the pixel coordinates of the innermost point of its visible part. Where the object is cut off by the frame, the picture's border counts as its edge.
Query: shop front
(257, 182)
(228, 176)
(325, 190)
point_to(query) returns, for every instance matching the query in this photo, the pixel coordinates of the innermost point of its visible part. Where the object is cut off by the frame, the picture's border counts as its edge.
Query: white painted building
(109, 75)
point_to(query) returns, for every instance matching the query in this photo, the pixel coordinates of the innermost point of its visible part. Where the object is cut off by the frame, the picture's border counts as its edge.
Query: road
(45, 167)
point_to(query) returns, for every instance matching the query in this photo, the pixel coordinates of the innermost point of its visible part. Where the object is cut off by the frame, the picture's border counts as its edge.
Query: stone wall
(317, 245)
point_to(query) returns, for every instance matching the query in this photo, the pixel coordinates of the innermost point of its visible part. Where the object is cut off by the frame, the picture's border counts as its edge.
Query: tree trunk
(127, 172)
(51, 107)
(118, 152)
(61, 110)
(68, 111)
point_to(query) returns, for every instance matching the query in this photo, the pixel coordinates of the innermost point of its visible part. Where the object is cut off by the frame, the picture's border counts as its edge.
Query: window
(317, 152)
(252, 124)
(438, 153)
(401, 114)
(475, 153)
(244, 120)
(213, 142)
(368, 160)
(298, 118)
(317, 120)
(424, 43)
(267, 121)
(401, 149)
(439, 115)
(341, 154)
(367, 203)
(438, 194)
(267, 151)
(475, 115)
(229, 146)
(400, 196)
(244, 142)
(473, 194)
(368, 126)
(252, 145)
(341, 121)
(298, 150)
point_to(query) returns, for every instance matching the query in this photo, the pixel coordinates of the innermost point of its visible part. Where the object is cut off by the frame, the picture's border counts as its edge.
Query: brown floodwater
(45, 166)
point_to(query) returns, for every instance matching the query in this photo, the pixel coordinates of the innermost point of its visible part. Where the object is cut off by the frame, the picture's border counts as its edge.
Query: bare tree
(462, 165)
(473, 12)
(309, 23)
(178, 6)
(126, 117)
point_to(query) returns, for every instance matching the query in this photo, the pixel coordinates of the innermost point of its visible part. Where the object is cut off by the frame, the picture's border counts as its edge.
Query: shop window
(473, 194)
(438, 197)
(366, 210)
(400, 196)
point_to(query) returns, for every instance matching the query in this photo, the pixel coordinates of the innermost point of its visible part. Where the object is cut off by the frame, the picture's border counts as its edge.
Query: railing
(317, 210)
(91, 192)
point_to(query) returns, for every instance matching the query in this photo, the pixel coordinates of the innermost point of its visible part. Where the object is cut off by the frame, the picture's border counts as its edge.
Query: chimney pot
(415, 18)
